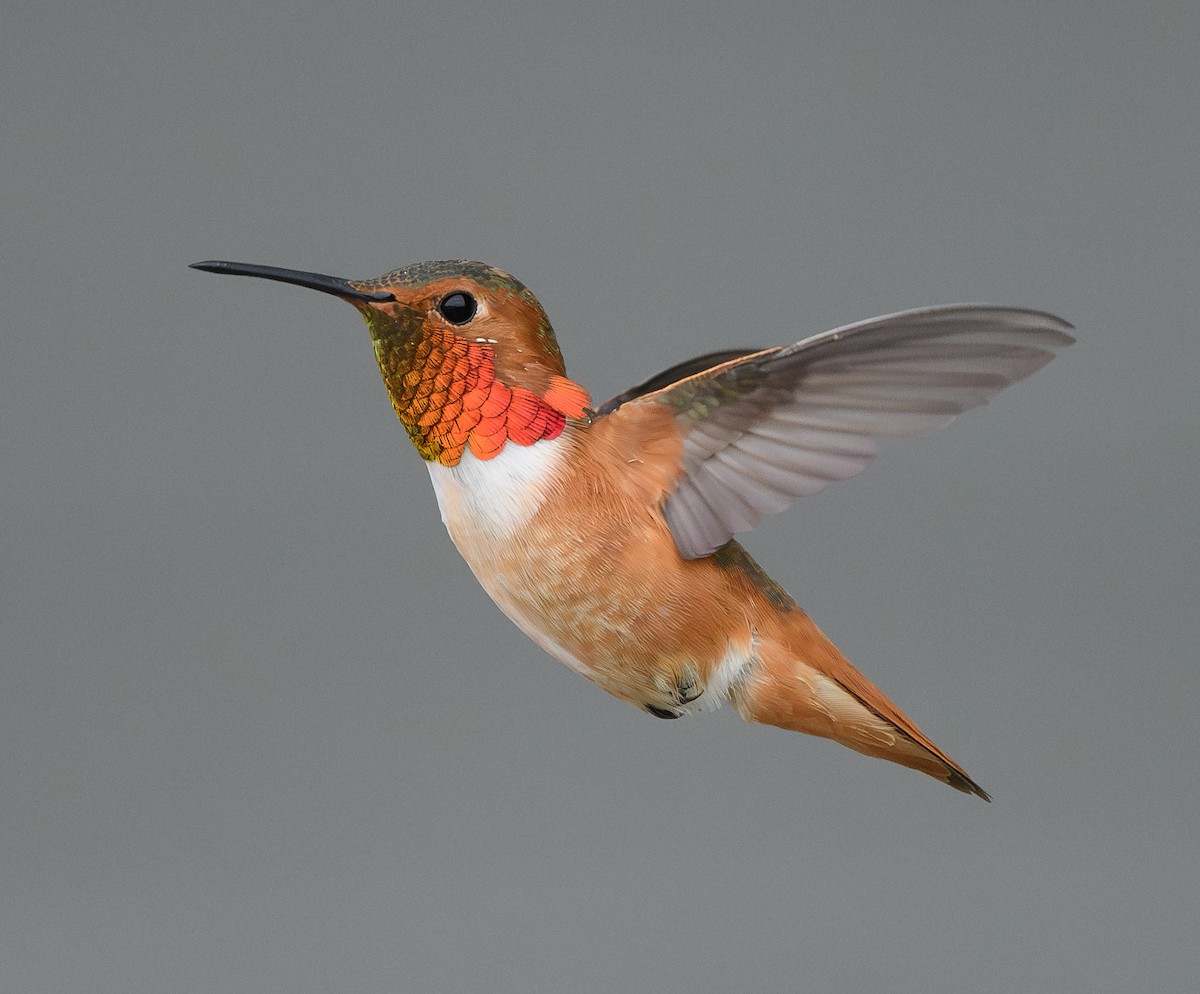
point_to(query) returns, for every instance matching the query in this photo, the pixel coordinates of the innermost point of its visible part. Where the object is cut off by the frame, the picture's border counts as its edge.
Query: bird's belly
(599, 588)
(621, 644)
(598, 624)
(641, 632)
(558, 636)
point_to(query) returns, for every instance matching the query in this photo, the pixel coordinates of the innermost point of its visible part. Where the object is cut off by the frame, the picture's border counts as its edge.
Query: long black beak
(314, 281)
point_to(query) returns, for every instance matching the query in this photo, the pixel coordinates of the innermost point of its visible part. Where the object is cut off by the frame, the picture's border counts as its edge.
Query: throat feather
(444, 390)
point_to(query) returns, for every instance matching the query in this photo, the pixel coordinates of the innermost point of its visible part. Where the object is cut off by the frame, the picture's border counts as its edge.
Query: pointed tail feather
(823, 694)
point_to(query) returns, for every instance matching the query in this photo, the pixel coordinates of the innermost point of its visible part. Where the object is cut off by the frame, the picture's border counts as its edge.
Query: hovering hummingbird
(606, 532)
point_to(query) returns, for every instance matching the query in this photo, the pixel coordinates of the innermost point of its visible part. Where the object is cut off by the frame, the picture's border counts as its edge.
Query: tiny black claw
(660, 712)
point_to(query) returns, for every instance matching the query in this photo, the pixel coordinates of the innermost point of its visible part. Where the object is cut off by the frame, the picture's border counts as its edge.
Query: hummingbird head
(467, 354)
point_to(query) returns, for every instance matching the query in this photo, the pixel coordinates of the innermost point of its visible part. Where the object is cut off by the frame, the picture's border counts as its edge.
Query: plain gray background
(259, 728)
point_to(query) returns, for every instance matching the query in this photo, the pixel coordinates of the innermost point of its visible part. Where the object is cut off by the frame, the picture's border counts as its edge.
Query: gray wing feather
(787, 423)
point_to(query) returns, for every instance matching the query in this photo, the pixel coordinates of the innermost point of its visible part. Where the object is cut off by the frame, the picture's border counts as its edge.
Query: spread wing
(764, 428)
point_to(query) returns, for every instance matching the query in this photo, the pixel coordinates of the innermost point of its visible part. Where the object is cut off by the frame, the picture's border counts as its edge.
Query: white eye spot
(484, 341)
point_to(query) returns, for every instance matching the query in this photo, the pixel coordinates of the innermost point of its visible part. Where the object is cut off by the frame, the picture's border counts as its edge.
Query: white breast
(497, 496)
(484, 503)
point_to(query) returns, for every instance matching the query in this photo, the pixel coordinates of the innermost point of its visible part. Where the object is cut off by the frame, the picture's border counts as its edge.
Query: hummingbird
(606, 532)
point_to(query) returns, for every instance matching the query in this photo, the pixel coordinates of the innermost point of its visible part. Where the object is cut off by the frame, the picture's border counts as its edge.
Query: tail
(807, 685)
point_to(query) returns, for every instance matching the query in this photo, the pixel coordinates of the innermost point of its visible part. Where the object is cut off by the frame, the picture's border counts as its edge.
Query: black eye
(457, 307)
